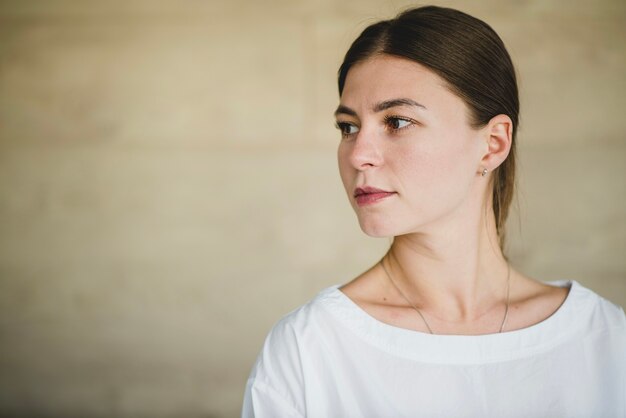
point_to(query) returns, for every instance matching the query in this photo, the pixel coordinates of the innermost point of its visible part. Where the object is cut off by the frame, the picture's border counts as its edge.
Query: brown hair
(469, 55)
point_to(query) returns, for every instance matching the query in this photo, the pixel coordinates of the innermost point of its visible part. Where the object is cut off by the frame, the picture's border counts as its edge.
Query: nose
(366, 151)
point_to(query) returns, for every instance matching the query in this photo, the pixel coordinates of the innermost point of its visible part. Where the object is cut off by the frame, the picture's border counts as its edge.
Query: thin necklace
(506, 310)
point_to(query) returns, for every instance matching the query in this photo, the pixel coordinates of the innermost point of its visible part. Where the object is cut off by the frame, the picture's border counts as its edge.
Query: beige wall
(169, 190)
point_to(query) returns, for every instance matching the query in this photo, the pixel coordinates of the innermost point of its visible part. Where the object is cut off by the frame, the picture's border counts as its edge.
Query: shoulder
(602, 326)
(276, 382)
(603, 312)
(295, 332)
(303, 319)
(591, 313)
(536, 301)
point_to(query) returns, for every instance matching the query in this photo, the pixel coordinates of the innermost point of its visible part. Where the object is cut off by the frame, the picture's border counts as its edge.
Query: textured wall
(168, 184)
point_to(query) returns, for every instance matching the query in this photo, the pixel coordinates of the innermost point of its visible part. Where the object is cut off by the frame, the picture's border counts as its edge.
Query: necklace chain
(506, 310)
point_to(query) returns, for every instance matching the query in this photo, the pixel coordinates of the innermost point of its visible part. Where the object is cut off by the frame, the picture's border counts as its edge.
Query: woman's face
(403, 132)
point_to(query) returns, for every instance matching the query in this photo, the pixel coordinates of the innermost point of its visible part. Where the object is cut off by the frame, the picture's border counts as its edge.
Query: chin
(376, 229)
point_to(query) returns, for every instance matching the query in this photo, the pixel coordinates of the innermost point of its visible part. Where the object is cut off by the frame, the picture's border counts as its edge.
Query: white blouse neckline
(462, 349)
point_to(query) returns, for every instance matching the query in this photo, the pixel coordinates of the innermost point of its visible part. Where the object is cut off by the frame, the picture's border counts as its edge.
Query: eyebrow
(379, 107)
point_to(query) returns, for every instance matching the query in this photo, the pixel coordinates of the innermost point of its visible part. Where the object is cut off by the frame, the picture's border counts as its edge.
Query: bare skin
(405, 132)
(530, 302)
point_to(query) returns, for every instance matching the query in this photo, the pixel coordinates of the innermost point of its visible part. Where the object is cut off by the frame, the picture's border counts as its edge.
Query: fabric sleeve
(261, 401)
(275, 387)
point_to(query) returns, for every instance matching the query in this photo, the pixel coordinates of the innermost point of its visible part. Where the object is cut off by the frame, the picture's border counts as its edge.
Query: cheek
(416, 168)
(345, 168)
(437, 174)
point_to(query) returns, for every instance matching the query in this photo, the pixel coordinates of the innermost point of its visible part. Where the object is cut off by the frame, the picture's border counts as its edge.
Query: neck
(456, 276)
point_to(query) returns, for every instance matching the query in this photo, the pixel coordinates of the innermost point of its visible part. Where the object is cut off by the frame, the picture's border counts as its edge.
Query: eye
(346, 128)
(396, 123)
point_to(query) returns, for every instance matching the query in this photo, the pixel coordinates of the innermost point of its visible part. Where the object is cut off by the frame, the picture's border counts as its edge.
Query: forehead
(385, 77)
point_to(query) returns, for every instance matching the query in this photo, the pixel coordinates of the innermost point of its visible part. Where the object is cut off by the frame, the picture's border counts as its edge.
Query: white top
(329, 358)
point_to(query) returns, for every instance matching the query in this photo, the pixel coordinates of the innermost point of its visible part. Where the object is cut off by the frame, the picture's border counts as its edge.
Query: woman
(441, 325)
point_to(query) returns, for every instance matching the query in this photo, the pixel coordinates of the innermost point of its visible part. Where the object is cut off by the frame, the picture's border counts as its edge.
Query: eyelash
(342, 126)
(390, 118)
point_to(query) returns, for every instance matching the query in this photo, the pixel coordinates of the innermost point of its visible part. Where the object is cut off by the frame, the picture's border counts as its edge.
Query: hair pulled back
(469, 55)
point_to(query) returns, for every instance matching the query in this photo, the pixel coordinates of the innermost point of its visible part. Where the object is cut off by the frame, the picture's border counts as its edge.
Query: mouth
(369, 195)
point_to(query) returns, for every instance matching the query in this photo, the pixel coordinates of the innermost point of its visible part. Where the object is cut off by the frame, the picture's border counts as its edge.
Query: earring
(484, 173)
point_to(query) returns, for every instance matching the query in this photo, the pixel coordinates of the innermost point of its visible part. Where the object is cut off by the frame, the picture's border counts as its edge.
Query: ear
(498, 135)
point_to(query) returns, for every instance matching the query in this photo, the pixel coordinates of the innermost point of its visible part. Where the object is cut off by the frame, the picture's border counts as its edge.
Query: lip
(368, 195)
